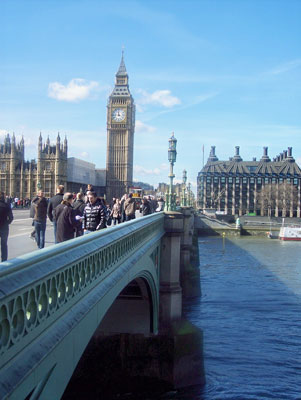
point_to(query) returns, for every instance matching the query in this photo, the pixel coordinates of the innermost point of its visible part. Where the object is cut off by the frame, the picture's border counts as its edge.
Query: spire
(13, 138)
(65, 147)
(122, 70)
(58, 139)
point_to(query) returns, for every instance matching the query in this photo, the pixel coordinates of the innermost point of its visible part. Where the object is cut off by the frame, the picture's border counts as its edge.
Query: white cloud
(84, 154)
(77, 89)
(159, 97)
(139, 170)
(288, 66)
(141, 127)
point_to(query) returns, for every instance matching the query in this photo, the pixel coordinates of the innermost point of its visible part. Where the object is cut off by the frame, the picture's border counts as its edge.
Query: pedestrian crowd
(78, 214)
(74, 215)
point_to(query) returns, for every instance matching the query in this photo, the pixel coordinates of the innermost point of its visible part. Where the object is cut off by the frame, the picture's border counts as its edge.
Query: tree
(275, 198)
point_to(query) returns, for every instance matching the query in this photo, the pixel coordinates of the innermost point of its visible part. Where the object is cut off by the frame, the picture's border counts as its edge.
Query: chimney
(285, 153)
(212, 156)
(290, 151)
(265, 156)
(237, 156)
(254, 158)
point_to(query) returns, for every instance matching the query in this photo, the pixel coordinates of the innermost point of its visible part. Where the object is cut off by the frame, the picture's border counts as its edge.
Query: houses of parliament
(22, 179)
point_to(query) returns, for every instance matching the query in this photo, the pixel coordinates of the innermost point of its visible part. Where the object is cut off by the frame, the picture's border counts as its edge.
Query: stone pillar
(170, 289)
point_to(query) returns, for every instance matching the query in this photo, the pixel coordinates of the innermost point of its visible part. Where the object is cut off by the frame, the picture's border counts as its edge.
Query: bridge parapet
(37, 289)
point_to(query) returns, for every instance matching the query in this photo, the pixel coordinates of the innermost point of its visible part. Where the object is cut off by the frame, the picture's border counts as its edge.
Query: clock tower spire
(120, 136)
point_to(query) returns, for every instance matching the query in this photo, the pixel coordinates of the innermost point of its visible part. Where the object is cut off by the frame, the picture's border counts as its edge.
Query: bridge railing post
(170, 289)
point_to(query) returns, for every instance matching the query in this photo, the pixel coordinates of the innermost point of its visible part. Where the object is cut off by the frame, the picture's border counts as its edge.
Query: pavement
(19, 242)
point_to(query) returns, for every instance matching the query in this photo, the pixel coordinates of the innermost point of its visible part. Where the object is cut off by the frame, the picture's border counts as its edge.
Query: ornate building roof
(284, 164)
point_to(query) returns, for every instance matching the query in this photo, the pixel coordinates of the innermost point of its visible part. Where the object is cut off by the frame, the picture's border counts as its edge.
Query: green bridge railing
(38, 288)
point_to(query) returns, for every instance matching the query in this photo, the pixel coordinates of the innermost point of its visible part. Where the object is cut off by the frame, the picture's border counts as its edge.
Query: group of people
(74, 215)
(71, 217)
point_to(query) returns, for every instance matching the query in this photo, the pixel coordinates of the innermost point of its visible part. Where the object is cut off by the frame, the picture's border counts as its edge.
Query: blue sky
(223, 73)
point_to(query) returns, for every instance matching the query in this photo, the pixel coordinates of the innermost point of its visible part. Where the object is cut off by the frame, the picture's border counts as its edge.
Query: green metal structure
(53, 300)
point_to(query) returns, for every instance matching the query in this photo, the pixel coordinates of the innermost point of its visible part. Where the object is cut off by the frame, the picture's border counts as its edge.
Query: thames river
(250, 313)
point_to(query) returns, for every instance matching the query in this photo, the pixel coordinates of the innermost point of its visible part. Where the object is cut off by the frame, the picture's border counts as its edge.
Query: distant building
(80, 173)
(20, 178)
(120, 136)
(261, 187)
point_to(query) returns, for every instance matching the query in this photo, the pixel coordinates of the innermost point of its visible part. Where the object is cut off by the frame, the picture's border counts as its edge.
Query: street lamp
(189, 194)
(170, 204)
(184, 199)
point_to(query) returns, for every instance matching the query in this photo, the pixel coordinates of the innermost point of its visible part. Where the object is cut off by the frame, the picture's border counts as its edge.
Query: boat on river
(292, 232)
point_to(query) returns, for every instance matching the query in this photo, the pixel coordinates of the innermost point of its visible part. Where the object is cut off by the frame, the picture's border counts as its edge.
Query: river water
(250, 313)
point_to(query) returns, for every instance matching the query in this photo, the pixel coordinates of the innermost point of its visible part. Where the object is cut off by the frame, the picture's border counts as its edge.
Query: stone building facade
(261, 187)
(120, 136)
(22, 179)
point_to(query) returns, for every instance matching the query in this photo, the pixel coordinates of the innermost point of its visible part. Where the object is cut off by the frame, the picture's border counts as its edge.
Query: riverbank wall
(259, 226)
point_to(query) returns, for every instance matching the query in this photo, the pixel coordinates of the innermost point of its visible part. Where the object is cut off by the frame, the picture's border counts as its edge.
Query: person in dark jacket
(94, 214)
(40, 217)
(129, 208)
(65, 217)
(53, 203)
(6, 217)
(79, 206)
(145, 207)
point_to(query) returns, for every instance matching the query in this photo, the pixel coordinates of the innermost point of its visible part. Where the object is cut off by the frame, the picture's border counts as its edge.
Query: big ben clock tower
(120, 136)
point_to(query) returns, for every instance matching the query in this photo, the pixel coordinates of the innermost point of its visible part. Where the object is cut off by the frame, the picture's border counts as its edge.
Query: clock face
(118, 115)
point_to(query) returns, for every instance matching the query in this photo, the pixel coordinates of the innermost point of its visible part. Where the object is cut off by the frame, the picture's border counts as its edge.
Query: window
(266, 180)
(251, 180)
(295, 181)
(230, 180)
(258, 180)
(244, 180)
(237, 180)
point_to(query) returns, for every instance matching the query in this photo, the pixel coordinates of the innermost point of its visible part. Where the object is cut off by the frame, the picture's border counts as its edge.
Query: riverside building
(261, 187)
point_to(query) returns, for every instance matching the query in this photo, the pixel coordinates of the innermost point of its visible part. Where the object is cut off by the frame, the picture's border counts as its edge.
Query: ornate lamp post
(189, 194)
(170, 204)
(184, 199)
